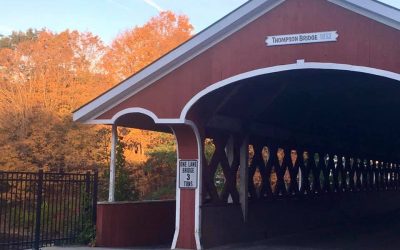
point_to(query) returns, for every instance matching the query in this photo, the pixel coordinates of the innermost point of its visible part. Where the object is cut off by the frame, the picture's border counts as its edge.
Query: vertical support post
(38, 210)
(188, 212)
(87, 182)
(244, 172)
(114, 138)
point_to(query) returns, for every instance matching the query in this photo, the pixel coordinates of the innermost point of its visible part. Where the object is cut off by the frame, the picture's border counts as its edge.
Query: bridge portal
(299, 100)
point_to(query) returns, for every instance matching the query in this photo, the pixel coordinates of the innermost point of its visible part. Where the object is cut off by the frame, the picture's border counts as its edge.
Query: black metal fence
(42, 209)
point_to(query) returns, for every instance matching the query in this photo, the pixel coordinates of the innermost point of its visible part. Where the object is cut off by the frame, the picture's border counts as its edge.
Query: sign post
(188, 171)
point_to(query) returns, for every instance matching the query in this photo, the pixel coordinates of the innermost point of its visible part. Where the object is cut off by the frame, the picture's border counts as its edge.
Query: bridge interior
(328, 129)
(324, 141)
(343, 111)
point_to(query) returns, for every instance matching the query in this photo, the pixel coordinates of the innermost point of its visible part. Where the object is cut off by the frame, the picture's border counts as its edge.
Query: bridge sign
(316, 37)
(188, 174)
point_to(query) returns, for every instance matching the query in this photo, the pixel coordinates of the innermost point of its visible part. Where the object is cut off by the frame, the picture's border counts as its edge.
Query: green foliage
(17, 37)
(160, 172)
(156, 176)
(87, 235)
(162, 193)
(125, 188)
(219, 179)
(161, 143)
(161, 161)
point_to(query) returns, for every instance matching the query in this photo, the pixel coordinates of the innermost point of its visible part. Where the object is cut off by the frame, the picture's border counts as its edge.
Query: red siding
(362, 41)
(135, 224)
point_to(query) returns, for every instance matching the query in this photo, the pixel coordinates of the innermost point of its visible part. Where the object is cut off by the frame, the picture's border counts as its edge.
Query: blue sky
(107, 18)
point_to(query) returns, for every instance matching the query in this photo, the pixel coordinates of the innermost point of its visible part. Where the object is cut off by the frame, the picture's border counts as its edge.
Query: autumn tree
(42, 80)
(134, 49)
(50, 73)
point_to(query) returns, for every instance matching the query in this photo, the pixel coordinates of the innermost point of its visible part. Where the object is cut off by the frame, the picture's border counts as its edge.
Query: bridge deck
(380, 233)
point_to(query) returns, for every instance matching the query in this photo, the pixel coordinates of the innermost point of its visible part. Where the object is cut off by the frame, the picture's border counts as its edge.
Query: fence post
(38, 209)
(94, 198)
(87, 194)
(87, 182)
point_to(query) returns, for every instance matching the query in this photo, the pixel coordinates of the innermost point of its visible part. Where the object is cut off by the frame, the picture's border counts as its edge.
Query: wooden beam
(329, 143)
(244, 172)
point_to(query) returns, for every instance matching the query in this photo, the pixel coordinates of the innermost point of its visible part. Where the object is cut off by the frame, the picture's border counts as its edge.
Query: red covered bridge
(312, 85)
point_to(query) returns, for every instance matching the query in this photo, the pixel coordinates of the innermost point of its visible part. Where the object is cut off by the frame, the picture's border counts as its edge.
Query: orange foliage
(56, 72)
(136, 48)
(44, 78)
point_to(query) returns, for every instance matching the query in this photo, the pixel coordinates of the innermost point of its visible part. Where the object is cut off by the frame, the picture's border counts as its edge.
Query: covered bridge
(312, 85)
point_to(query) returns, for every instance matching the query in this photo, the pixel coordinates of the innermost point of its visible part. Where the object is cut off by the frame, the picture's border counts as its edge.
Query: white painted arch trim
(136, 110)
(197, 229)
(234, 79)
(288, 67)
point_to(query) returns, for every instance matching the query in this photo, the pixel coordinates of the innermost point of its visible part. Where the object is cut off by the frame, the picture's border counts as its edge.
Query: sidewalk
(100, 248)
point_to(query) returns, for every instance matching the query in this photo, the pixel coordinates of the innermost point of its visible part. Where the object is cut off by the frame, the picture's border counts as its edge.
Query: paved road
(375, 234)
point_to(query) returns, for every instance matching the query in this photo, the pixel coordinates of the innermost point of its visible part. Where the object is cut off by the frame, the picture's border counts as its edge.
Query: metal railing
(42, 209)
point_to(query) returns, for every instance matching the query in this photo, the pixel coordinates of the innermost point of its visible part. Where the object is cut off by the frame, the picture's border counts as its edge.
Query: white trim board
(198, 192)
(373, 10)
(223, 28)
(177, 198)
